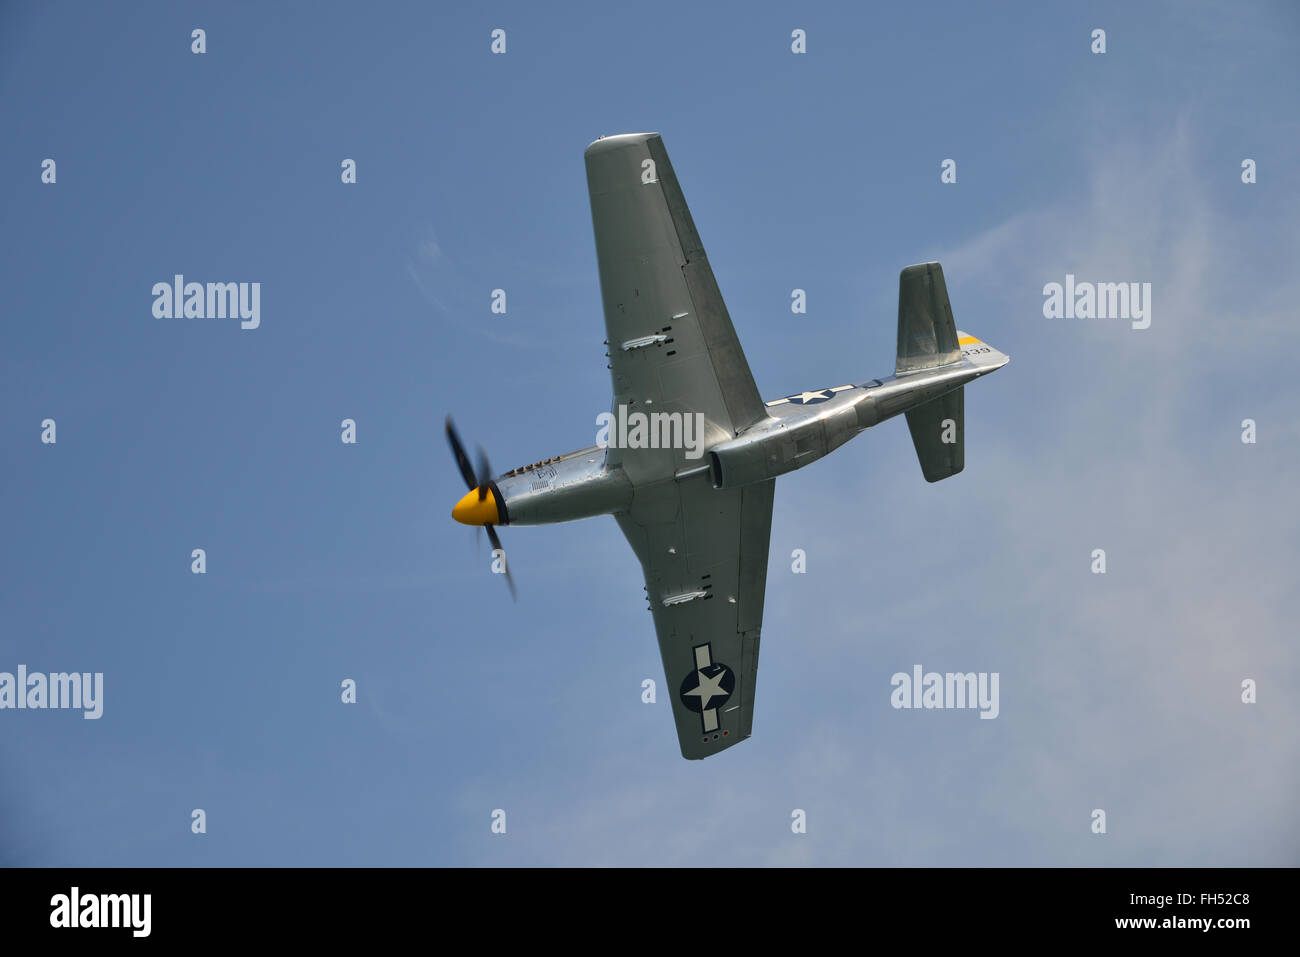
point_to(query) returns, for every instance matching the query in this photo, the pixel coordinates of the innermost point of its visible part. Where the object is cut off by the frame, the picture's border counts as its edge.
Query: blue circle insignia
(708, 687)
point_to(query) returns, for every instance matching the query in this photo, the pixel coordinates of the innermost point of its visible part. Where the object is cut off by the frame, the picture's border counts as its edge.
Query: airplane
(698, 514)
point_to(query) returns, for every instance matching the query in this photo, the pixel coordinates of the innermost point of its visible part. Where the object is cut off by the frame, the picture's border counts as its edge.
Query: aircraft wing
(672, 346)
(704, 554)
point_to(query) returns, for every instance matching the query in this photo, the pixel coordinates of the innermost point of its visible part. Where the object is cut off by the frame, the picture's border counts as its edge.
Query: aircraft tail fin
(927, 336)
(928, 339)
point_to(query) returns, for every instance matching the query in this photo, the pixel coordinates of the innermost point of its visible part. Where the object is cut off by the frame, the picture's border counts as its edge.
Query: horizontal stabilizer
(939, 434)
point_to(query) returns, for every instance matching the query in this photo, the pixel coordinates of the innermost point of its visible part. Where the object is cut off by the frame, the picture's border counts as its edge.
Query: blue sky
(820, 171)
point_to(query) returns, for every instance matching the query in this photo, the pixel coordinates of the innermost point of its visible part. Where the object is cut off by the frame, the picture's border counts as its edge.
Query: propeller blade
(484, 473)
(496, 543)
(478, 482)
(462, 460)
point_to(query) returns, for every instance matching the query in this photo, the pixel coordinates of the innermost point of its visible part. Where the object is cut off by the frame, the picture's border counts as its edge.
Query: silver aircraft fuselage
(797, 431)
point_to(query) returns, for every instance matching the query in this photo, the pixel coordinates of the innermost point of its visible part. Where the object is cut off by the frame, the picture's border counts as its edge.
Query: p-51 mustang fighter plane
(699, 515)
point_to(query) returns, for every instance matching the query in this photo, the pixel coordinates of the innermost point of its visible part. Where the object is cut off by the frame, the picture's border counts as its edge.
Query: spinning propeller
(479, 506)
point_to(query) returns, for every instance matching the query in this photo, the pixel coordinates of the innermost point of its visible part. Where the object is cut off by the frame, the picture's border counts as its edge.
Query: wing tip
(603, 144)
(698, 752)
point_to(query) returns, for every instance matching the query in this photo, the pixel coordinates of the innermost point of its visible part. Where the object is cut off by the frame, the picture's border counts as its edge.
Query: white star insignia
(709, 688)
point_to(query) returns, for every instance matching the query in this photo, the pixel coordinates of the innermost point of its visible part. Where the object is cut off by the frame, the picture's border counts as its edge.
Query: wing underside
(673, 349)
(704, 555)
(672, 345)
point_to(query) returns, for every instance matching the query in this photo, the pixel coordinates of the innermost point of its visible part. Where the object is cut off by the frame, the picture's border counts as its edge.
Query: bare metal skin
(700, 523)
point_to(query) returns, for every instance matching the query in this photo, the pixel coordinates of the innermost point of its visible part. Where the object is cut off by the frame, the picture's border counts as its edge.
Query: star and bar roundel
(810, 398)
(708, 687)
